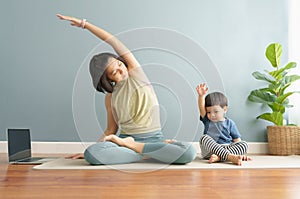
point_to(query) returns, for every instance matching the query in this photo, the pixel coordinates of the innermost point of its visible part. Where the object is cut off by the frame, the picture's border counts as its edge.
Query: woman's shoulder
(138, 74)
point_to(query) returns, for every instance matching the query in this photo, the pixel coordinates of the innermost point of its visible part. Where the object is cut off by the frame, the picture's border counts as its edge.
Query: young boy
(221, 140)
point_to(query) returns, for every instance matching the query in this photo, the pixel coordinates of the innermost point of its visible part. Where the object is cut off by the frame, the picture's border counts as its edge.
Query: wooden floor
(20, 181)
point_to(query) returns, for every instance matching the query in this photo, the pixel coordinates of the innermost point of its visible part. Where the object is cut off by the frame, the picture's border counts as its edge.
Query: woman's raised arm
(116, 44)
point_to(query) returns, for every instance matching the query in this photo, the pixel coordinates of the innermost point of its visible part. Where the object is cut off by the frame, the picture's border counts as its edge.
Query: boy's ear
(225, 108)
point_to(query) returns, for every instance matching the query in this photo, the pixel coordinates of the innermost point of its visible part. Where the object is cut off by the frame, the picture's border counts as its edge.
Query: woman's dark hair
(216, 98)
(98, 66)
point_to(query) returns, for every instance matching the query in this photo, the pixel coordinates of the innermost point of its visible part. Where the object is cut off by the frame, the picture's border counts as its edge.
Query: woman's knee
(90, 157)
(92, 153)
(108, 153)
(188, 156)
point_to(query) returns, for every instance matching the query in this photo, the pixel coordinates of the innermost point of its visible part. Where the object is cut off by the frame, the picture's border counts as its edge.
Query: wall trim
(79, 147)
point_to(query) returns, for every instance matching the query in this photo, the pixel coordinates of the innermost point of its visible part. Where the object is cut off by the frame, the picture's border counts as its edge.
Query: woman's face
(116, 70)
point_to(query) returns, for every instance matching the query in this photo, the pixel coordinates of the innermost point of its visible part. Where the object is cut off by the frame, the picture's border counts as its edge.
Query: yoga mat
(257, 162)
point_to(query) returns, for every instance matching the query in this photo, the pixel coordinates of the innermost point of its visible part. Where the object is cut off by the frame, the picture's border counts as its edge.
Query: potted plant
(283, 139)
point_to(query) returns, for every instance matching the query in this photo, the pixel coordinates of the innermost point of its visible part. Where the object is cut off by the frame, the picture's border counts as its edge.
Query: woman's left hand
(76, 156)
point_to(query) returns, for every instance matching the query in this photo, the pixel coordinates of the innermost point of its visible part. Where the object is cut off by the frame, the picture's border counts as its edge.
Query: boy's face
(216, 113)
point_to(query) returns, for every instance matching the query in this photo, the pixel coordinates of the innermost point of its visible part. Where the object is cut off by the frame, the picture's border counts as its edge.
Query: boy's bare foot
(214, 158)
(237, 159)
(246, 158)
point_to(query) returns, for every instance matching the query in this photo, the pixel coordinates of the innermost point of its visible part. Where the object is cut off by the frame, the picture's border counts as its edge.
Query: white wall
(294, 55)
(41, 57)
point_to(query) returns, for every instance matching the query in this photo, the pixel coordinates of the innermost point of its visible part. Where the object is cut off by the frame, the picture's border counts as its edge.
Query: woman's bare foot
(214, 158)
(126, 142)
(119, 141)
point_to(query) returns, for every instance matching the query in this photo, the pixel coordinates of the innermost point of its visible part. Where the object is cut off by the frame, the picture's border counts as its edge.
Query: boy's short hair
(215, 99)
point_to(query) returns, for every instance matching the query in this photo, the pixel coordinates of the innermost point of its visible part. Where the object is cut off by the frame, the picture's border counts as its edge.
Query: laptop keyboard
(29, 160)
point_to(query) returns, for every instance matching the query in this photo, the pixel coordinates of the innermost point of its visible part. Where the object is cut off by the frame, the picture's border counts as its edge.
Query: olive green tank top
(135, 104)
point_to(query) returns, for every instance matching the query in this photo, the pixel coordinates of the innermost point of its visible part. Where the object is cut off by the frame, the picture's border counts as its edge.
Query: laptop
(19, 148)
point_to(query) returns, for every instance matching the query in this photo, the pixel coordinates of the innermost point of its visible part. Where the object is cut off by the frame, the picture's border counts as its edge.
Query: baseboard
(79, 147)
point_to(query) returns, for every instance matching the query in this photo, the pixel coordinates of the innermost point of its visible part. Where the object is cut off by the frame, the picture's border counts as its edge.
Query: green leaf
(273, 53)
(274, 88)
(271, 89)
(276, 107)
(275, 117)
(291, 78)
(263, 76)
(282, 98)
(286, 82)
(278, 74)
(290, 65)
(259, 96)
(282, 89)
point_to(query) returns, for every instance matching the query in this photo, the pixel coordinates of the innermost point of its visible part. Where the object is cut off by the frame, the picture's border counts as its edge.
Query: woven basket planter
(284, 140)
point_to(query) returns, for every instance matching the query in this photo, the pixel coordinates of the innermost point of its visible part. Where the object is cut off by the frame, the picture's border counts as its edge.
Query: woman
(131, 106)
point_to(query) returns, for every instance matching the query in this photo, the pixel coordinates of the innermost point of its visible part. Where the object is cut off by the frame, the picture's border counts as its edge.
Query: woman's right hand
(76, 156)
(73, 20)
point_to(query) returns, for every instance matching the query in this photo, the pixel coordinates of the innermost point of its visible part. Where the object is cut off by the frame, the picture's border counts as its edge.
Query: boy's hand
(202, 89)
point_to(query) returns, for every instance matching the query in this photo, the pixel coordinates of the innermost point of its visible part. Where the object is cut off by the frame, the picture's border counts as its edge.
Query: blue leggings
(108, 153)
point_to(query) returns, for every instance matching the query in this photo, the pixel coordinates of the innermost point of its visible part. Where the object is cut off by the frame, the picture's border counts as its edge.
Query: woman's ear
(120, 63)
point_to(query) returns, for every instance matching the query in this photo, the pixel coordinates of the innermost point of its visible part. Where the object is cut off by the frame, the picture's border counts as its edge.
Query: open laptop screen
(19, 144)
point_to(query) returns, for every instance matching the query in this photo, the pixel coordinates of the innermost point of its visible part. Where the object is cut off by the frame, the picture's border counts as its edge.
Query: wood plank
(21, 181)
